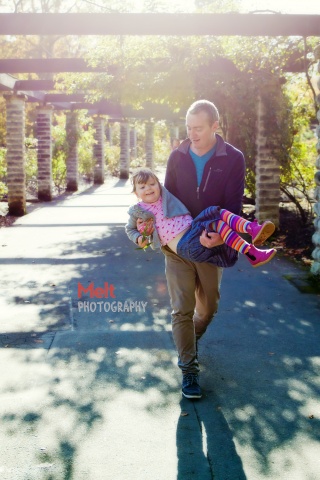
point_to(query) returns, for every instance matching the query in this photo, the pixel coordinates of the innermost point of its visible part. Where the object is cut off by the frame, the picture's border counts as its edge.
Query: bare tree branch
(306, 69)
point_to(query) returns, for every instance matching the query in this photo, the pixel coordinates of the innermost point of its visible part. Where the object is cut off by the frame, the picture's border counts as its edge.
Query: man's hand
(211, 239)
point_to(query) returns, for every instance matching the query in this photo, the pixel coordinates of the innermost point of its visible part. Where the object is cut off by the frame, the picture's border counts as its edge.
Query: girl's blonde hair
(142, 175)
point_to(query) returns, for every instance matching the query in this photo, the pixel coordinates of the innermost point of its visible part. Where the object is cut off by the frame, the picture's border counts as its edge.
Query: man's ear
(215, 126)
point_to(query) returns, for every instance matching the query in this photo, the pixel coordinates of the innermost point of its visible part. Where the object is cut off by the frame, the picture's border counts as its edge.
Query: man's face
(200, 132)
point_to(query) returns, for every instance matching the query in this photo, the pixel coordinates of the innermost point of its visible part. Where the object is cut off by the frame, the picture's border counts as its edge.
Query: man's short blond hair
(205, 106)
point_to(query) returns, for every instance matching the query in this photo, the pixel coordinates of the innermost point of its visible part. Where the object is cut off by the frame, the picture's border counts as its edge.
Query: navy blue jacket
(222, 183)
(222, 180)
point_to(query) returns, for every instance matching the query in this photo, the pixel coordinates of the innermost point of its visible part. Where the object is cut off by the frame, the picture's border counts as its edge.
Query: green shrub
(3, 172)
(112, 158)
(59, 152)
(31, 165)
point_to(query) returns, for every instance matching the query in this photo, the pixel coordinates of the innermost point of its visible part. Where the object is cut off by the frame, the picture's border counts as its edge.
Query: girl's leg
(230, 237)
(238, 224)
(259, 233)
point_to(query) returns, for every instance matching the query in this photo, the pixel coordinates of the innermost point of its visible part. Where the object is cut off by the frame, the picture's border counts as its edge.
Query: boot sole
(266, 231)
(191, 396)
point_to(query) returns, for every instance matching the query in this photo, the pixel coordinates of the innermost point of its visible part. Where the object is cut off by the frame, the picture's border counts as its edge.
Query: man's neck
(202, 151)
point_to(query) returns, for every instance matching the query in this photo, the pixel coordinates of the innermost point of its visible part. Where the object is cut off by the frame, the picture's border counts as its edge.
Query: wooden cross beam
(34, 85)
(246, 24)
(51, 65)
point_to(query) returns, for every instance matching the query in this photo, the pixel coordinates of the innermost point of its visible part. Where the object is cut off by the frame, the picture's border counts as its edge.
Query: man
(203, 171)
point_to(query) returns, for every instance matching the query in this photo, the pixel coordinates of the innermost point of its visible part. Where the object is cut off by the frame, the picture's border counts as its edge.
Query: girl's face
(148, 192)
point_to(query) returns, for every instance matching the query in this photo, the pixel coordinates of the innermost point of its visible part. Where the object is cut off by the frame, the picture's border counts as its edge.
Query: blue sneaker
(190, 386)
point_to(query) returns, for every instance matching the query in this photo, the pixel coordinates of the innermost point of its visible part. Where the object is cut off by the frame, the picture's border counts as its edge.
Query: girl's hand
(146, 227)
(142, 242)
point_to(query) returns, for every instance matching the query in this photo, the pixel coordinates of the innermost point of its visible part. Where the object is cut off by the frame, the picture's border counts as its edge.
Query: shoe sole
(191, 396)
(266, 261)
(266, 231)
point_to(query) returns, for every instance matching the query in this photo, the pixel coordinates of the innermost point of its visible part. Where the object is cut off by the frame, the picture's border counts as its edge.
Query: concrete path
(95, 395)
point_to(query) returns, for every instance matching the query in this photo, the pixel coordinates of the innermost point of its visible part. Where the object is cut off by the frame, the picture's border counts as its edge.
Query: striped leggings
(227, 226)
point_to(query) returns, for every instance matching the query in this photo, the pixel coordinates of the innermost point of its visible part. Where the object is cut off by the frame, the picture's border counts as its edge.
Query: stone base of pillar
(17, 208)
(72, 186)
(124, 175)
(98, 178)
(45, 195)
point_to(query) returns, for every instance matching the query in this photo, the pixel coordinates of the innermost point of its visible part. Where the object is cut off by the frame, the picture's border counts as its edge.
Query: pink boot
(260, 233)
(259, 257)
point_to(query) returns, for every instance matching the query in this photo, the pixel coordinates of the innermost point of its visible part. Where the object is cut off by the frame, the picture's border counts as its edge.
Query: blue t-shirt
(200, 161)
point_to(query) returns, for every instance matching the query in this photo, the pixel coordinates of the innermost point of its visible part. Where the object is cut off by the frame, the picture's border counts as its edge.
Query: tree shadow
(260, 371)
(80, 362)
(66, 370)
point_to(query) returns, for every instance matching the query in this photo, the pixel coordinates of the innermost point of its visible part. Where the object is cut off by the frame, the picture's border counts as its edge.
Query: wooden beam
(50, 65)
(34, 85)
(57, 65)
(64, 97)
(159, 24)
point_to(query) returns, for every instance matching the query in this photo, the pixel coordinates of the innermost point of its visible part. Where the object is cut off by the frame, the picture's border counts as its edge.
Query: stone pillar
(109, 131)
(315, 268)
(98, 150)
(44, 118)
(124, 150)
(149, 144)
(72, 158)
(133, 142)
(267, 172)
(16, 174)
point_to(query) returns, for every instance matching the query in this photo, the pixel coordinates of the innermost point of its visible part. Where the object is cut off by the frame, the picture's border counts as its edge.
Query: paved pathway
(90, 395)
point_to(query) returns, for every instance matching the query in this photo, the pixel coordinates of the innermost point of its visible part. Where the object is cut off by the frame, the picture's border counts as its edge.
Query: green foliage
(161, 143)
(85, 138)
(85, 147)
(161, 146)
(298, 166)
(31, 165)
(3, 172)
(112, 158)
(174, 71)
(59, 152)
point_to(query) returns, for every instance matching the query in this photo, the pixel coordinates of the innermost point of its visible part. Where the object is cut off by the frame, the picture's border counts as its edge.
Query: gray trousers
(194, 290)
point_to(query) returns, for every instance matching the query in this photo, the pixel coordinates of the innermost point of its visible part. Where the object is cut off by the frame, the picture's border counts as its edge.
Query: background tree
(173, 71)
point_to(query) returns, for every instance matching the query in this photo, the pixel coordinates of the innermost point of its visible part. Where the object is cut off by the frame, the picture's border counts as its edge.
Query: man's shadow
(205, 446)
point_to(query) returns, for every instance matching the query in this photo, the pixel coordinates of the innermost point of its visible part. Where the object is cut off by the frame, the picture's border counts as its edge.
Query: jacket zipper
(198, 193)
(207, 179)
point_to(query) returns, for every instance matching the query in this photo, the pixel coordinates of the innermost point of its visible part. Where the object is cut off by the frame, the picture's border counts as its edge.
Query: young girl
(175, 227)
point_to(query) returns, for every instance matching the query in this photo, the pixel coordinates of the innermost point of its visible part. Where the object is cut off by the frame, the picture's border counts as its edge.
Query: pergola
(230, 24)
